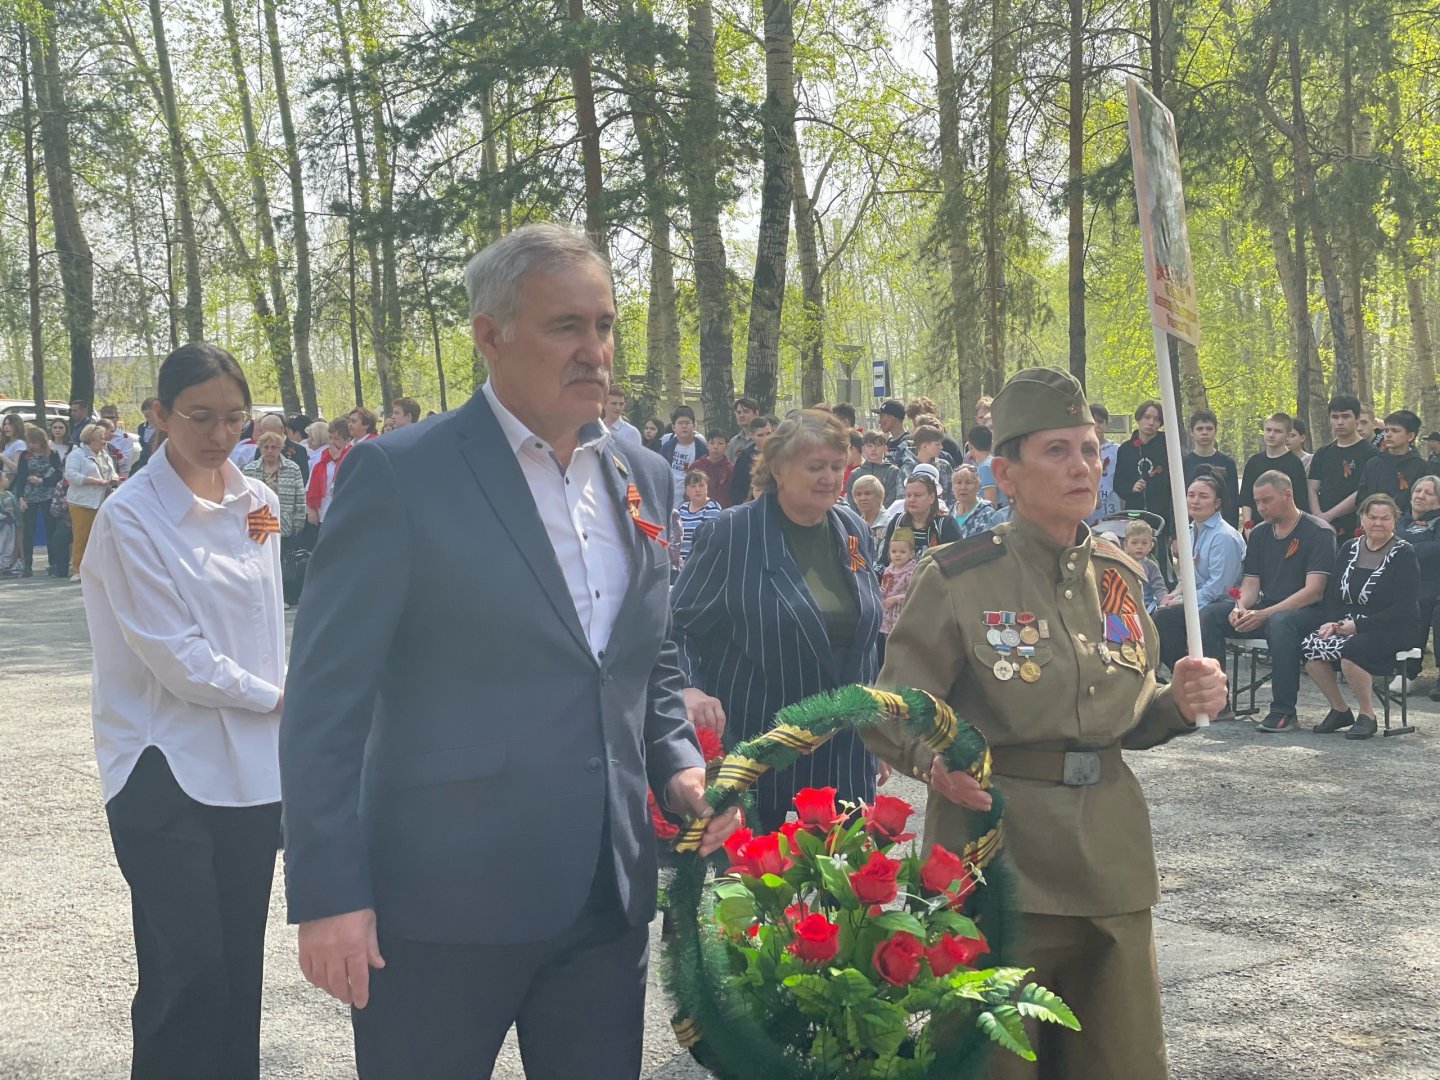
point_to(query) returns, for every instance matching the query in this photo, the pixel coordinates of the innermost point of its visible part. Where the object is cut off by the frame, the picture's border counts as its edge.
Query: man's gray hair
(495, 276)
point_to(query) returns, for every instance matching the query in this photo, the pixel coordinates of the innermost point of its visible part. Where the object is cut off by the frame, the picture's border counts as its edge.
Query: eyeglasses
(205, 422)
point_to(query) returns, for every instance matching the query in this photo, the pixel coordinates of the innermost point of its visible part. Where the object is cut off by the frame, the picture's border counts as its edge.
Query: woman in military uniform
(1036, 632)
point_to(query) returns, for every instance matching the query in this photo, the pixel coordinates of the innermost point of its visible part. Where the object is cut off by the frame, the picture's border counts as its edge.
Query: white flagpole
(1176, 310)
(1169, 402)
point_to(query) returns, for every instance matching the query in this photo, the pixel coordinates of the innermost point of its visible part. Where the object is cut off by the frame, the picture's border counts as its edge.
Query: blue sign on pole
(881, 378)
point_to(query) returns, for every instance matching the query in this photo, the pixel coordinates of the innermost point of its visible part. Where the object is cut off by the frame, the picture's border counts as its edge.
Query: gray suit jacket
(451, 748)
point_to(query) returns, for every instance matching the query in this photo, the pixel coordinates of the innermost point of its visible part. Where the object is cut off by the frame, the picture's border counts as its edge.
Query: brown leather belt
(1073, 768)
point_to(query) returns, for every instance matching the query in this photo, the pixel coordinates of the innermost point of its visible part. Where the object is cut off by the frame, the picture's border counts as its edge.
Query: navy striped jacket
(750, 634)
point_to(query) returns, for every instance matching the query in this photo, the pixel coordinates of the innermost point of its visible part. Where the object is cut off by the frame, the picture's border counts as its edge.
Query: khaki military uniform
(1081, 851)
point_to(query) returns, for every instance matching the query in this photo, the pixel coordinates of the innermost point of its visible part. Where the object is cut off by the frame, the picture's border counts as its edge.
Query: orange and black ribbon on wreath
(649, 528)
(262, 524)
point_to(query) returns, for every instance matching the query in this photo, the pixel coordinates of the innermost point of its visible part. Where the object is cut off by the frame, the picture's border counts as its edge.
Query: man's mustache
(575, 373)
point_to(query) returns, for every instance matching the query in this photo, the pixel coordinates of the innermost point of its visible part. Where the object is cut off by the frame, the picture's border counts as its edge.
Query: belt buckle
(1082, 768)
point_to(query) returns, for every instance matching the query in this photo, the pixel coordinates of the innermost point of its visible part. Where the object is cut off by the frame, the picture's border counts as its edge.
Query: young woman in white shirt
(182, 594)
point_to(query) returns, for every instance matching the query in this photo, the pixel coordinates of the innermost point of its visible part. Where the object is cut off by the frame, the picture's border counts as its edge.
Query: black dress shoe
(1334, 721)
(1364, 728)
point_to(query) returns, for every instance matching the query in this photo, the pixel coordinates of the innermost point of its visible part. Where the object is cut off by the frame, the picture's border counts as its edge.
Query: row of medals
(1016, 634)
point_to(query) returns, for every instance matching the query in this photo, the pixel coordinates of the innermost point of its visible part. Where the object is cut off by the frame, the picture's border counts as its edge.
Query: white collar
(175, 495)
(517, 434)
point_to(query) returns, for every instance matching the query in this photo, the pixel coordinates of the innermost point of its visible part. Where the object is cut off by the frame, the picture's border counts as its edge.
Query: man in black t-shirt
(1395, 469)
(1277, 456)
(1336, 468)
(1288, 560)
(1203, 427)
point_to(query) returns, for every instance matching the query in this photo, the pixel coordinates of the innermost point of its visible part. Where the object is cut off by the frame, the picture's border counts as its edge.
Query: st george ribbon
(1160, 197)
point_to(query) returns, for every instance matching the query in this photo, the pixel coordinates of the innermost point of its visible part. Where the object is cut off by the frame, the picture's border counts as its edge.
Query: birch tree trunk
(277, 326)
(767, 293)
(712, 292)
(194, 307)
(303, 289)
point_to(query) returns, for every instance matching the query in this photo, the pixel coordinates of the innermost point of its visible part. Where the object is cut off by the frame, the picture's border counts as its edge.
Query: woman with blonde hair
(316, 436)
(780, 602)
(90, 471)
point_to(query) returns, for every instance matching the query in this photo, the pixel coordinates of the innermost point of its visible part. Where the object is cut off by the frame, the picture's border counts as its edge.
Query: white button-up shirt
(580, 519)
(188, 631)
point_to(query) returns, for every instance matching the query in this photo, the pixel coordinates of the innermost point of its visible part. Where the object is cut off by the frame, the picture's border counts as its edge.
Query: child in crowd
(716, 464)
(873, 448)
(10, 562)
(895, 582)
(927, 443)
(685, 519)
(1139, 543)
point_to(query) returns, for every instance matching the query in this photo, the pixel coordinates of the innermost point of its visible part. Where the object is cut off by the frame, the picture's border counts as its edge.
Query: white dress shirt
(580, 519)
(188, 631)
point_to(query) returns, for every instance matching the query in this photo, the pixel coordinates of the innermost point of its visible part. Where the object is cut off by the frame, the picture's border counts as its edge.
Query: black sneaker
(1334, 721)
(1277, 721)
(1364, 728)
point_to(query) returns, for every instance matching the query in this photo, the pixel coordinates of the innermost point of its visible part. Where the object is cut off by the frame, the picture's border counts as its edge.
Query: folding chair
(1257, 651)
(1388, 697)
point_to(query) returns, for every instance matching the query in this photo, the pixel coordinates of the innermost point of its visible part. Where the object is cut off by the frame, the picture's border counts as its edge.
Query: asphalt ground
(1299, 934)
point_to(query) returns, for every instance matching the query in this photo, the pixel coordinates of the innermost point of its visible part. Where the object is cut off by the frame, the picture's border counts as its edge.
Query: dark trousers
(442, 1011)
(199, 881)
(57, 538)
(1284, 631)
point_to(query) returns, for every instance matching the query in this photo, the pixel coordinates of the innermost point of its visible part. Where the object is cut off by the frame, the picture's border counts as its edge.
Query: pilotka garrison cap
(1038, 399)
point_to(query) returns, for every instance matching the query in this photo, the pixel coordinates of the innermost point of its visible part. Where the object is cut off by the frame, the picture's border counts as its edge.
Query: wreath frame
(727, 1040)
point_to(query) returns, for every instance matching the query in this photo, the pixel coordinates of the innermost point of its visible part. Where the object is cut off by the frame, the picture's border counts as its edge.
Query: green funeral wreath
(825, 952)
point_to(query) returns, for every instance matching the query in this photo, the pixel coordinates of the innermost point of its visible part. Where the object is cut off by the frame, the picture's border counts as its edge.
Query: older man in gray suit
(481, 687)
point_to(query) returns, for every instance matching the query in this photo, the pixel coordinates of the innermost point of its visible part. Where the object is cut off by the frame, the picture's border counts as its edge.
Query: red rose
(952, 950)
(816, 807)
(1233, 593)
(897, 958)
(942, 869)
(797, 911)
(734, 842)
(756, 856)
(874, 883)
(817, 939)
(886, 818)
(711, 746)
(788, 830)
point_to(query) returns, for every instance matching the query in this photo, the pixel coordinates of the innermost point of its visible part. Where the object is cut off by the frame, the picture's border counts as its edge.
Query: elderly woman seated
(1371, 615)
(1420, 528)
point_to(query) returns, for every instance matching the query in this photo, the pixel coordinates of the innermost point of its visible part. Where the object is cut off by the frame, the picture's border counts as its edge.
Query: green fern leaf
(1040, 1003)
(1004, 1026)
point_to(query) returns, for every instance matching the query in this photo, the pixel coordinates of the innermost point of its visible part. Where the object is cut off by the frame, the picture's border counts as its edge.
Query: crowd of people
(52, 483)
(518, 615)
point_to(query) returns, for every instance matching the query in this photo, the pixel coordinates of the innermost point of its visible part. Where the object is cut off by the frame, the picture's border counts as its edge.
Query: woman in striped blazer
(777, 602)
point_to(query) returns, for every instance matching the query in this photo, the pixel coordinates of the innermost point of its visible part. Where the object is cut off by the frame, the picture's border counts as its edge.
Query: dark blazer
(750, 634)
(452, 753)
